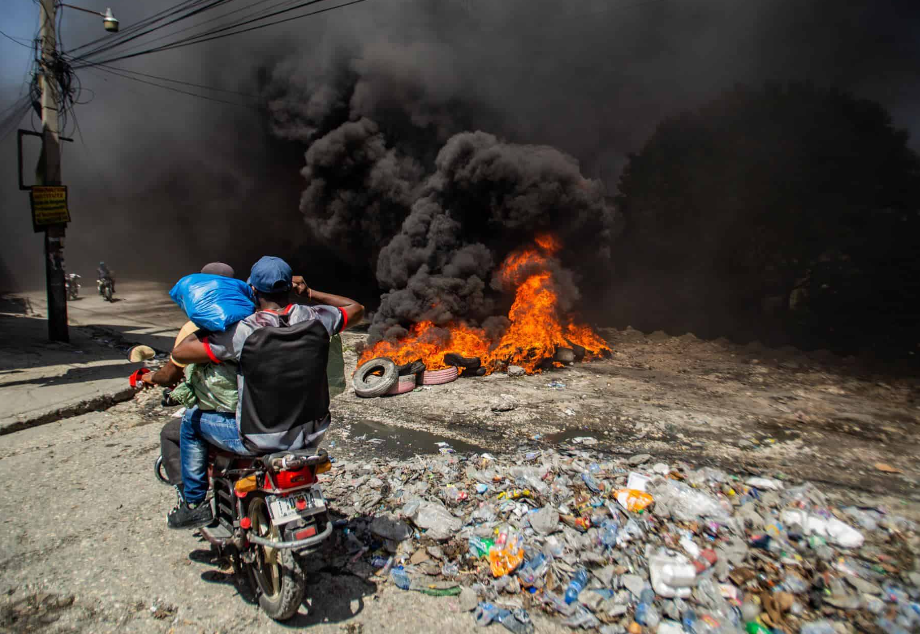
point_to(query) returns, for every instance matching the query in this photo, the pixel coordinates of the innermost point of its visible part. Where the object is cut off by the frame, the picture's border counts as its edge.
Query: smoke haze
(456, 129)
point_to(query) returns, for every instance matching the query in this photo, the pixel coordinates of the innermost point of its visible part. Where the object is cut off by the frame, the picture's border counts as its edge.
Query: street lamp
(108, 20)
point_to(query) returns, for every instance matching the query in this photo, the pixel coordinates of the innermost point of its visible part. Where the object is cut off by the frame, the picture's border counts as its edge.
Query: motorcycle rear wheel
(279, 579)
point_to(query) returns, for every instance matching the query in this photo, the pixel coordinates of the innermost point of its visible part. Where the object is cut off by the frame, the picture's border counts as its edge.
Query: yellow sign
(49, 205)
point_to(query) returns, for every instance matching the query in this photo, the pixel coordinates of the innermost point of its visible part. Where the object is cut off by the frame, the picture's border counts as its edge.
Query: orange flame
(532, 337)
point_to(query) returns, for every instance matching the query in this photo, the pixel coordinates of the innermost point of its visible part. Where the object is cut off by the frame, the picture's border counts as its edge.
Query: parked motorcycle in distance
(269, 514)
(72, 285)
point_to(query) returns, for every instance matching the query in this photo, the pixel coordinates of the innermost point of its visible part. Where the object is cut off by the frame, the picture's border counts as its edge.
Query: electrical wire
(153, 19)
(192, 12)
(199, 25)
(177, 90)
(177, 81)
(15, 40)
(221, 33)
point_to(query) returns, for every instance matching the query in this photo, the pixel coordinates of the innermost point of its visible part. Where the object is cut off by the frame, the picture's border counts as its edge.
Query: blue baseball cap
(270, 275)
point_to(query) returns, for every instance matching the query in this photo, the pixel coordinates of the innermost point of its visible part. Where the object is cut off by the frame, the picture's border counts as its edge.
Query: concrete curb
(100, 402)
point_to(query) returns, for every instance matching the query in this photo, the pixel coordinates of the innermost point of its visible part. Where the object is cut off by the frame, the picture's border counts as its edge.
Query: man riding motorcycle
(171, 374)
(103, 273)
(281, 351)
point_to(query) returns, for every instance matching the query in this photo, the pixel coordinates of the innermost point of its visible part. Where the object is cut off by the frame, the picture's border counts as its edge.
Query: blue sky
(20, 19)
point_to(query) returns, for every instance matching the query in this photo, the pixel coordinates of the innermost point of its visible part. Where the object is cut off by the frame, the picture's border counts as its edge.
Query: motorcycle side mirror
(141, 353)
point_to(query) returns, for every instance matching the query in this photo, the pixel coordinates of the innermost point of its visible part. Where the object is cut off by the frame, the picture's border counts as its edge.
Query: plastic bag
(213, 302)
(214, 386)
(633, 500)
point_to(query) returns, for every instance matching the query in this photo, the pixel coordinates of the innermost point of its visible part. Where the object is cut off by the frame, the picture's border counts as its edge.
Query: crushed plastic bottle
(646, 613)
(607, 535)
(534, 570)
(578, 583)
(591, 483)
(400, 578)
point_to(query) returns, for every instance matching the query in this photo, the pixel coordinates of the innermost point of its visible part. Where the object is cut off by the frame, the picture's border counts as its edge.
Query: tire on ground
(368, 385)
(404, 384)
(438, 377)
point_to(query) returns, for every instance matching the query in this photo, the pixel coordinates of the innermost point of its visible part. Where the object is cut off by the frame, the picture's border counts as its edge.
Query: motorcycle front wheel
(107, 293)
(279, 579)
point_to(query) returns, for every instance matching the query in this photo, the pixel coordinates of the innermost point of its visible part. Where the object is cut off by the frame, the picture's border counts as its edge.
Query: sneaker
(186, 515)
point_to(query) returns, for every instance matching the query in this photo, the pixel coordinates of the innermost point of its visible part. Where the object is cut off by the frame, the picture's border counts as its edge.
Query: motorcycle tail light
(247, 484)
(323, 468)
(291, 479)
(310, 531)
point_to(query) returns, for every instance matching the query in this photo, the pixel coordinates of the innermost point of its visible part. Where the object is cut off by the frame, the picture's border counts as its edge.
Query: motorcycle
(270, 515)
(106, 288)
(72, 285)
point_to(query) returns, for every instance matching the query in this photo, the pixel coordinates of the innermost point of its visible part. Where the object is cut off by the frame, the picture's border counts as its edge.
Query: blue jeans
(200, 428)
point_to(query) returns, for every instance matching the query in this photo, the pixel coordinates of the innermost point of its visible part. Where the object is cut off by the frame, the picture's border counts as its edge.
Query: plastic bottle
(590, 482)
(400, 578)
(578, 583)
(646, 613)
(506, 554)
(537, 569)
(607, 535)
(753, 627)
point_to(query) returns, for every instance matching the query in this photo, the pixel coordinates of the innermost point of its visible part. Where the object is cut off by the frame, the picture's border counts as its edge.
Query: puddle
(394, 441)
(566, 436)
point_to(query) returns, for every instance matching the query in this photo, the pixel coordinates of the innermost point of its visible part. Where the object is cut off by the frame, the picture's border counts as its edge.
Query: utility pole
(49, 173)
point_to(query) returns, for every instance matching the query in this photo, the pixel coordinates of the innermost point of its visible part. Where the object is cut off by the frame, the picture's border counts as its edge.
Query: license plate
(284, 510)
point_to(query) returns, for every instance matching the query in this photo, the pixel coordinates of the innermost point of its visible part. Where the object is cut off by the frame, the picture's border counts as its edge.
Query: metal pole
(49, 169)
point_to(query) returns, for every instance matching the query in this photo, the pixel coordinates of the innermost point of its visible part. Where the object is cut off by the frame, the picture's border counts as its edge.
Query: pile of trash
(627, 545)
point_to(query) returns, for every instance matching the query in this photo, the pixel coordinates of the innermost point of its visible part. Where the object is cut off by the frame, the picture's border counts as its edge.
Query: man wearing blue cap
(281, 352)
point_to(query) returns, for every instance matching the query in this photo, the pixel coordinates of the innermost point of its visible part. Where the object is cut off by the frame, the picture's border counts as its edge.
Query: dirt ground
(812, 416)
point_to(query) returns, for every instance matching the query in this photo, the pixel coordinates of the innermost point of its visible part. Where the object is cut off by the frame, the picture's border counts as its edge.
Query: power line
(178, 90)
(193, 12)
(200, 39)
(195, 26)
(153, 19)
(177, 81)
(15, 40)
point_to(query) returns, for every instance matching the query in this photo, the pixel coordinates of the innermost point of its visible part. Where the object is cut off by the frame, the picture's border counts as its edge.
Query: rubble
(544, 530)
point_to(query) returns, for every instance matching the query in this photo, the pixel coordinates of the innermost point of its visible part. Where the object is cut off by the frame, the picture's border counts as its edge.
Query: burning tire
(564, 355)
(375, 378)
(470, 363)
(579, 351)
(439, 377)
(413, 367)
(405, 384)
